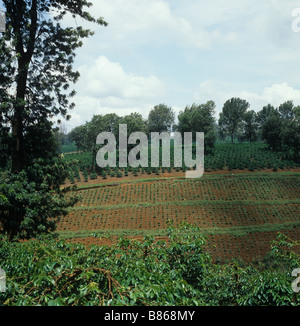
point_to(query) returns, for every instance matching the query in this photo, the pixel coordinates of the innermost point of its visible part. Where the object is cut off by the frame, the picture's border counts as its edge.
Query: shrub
(148, 272)
(93, 175)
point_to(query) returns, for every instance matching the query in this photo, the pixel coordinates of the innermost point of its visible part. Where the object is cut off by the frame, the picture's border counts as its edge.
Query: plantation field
(245, 157)
(240, 214)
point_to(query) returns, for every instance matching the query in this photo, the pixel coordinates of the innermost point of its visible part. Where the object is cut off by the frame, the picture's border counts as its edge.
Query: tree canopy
(281, 130)
(161, 118)
(232, 115)
(199, 118)
(36, 65)
(36, 71)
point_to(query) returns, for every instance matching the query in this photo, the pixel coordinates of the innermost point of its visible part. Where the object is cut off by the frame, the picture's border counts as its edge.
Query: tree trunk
(17, 122)
(23, 65)
(18, 144)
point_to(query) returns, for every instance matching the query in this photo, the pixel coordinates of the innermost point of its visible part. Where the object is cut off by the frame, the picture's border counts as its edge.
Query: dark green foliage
(231, 117)
(93, 175)
(199, 118)
(36, 69)
(32, 202)
(271, 132)
(161, 119)
(226, 156)
(37, 57)
(250, 127)
(281, 131)
(132, 273)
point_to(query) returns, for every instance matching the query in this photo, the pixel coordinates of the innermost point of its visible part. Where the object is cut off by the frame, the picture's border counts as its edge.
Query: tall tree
(36, 70)
(78, 135)
(281, 131)
(271, 132)
(199, 118)
(232, 115)
(161, 118)
(262, 117)
(36, 67)
(100, 123)
(250, 126)
(265, 113)
(135, 123)
(286, 110)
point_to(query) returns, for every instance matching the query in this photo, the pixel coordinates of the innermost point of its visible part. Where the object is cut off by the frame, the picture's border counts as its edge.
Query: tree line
(278, 127)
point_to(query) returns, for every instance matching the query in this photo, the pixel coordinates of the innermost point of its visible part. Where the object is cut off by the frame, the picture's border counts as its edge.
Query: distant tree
(78, 136)
(199, 118)
(250, 127)
(231, 117)
(222, 130)
(265, 113)
(92, 129)
(290, 131)
(262, 117)
(134, 122)
(290, 140)
(297, 114)
(271, 132)
(281, 131)
(286, 110)
(60, 133)
(110, 122)
(99, 123)
(161, 118)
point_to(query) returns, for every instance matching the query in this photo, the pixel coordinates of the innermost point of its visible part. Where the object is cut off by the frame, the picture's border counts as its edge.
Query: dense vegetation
(278, 128)
(240, 213)
(36, 72)
(149, 272)
(238, 156)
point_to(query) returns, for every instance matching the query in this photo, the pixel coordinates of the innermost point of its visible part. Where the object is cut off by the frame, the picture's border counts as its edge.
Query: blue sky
(188, 51)
(184, 52)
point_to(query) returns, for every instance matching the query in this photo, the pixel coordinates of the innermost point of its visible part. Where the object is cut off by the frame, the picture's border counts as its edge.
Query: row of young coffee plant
(238, 156)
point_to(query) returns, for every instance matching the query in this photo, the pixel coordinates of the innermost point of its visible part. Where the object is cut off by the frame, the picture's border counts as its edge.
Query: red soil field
(221, 205)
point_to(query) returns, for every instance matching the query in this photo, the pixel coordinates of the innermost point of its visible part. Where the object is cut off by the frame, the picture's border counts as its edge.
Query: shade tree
(231, 117)
(36, 67)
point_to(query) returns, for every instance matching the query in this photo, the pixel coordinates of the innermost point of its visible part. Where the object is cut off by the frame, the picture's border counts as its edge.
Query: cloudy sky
(180, 52)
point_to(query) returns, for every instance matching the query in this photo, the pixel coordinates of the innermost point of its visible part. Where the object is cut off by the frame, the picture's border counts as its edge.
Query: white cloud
(279, 93)
(104, 87)
(141, 22)
(87, 106)
(158, 51)
(275, 95)
(106, 80)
